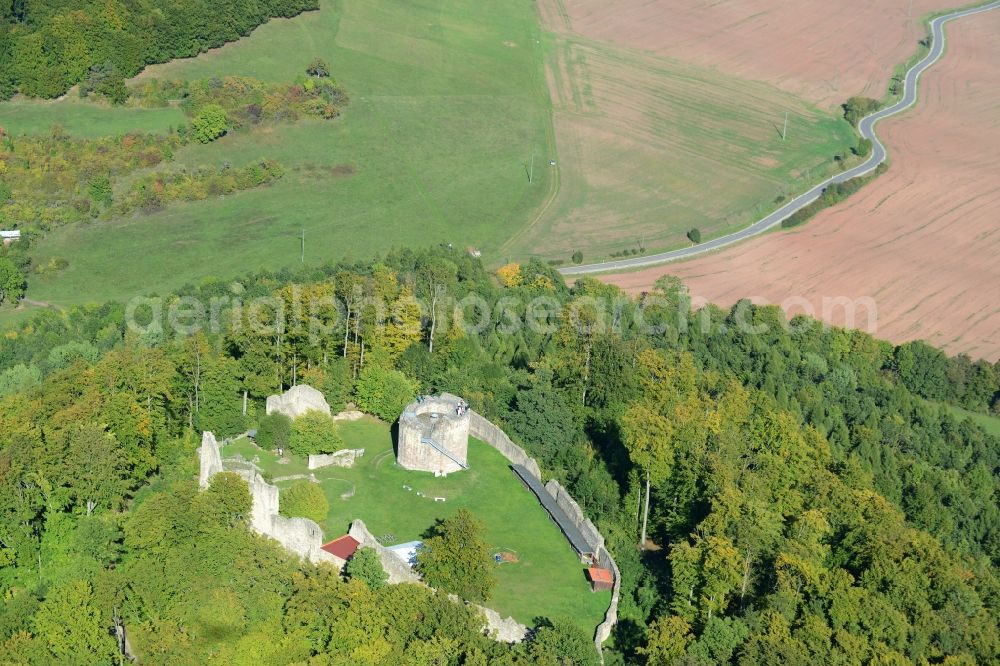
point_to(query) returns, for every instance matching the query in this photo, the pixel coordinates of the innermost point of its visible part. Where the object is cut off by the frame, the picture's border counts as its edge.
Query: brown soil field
(816, 49)
(922, 241)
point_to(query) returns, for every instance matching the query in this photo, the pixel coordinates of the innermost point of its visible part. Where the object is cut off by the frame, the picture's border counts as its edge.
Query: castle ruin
(301, 536)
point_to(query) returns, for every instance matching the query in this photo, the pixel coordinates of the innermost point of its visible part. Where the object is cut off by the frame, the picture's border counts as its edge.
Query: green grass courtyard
(546, 581)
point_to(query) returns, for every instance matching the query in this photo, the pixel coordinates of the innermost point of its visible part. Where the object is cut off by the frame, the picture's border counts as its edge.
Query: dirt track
(922, 241)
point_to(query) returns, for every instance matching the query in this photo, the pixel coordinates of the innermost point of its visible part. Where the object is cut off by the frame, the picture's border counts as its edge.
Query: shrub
(365, 565)
(304, 499)
(315, 432)
(318, 68)
(274, 431)
(209, 124)
(694, 235)
(383, 392)
(100, 190)
(864, 148)
(578, 257)
(857, 108)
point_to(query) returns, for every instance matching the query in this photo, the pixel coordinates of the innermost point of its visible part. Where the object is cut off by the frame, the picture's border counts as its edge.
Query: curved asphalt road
(867, 129)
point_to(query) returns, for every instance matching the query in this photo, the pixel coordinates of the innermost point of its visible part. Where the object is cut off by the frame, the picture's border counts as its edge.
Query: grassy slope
(83, 118)
(650, 147)
(547, 581)
(448, 102)
(990, 424)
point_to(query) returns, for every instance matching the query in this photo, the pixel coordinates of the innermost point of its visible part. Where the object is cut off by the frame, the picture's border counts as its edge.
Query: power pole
(302, 257)
(531, 169)
(784, 132)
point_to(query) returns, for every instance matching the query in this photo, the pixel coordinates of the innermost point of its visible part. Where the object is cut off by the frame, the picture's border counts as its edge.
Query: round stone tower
(434, 434)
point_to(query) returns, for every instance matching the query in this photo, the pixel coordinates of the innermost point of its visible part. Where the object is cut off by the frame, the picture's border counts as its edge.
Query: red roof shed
(600, 579)
(342, 547)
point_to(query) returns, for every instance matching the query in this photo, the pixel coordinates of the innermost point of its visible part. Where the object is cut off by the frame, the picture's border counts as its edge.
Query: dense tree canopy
(813, 497)
(47, 46)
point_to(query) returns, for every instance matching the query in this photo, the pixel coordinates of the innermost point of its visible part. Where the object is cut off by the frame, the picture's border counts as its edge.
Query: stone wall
(342, 458)
(398, 571)
(573, 510)
(603, 631)
(211, 459)
(481, 428)
(296, 401)
(298, 535)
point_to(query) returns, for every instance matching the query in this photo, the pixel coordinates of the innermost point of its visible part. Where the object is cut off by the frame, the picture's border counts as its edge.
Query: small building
(600, 579)
(342, 547)
(407, 551)
(10, 236)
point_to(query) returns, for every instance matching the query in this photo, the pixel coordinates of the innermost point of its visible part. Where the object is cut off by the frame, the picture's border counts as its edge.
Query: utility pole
(302, 257)
(784, 132)
(531, 169)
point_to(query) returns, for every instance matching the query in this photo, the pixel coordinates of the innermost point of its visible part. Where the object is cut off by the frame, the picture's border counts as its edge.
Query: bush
(209, 124)
(100, 190)
(365, 565)
(315, 432)
(274, 431)
(383, 392)
(304, 499)
(864, 148)
(857, 108)
(832, 195)
(318, 68)
(578, 257)
(694, 236)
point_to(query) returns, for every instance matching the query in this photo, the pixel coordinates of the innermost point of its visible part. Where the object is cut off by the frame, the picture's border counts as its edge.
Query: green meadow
(547, 580)
(990, 424)
(448, 104)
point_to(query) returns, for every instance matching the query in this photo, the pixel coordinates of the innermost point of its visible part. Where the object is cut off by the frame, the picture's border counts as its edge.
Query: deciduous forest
(812, 497)
(48, 46)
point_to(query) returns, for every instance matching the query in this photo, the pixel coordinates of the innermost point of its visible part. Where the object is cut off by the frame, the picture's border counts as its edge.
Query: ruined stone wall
(398, 571)
(298, 535)
(211, 459)
(342, 458)
(603, 631)
(575, 513)
(296, 401)
(480, 428)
